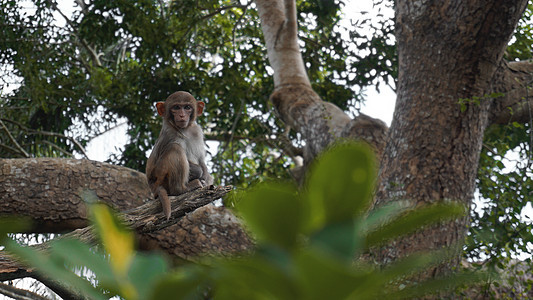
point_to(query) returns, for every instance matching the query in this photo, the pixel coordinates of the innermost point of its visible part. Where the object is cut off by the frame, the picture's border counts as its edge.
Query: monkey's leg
(165, 201)
(159, 187)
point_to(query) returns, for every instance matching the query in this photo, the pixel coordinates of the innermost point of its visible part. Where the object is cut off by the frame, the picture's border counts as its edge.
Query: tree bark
(448, 51)
(146, 219)
(513, 80)
(319, 122)
(49, 191)
(450, 62)
(50, 188)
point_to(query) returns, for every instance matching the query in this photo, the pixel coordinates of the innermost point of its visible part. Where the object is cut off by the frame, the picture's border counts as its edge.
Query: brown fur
(178, 145)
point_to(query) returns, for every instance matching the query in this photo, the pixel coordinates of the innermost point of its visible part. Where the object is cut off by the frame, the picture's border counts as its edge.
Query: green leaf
(413, 220)
(340, 185)
(380, 215)
(117, 240)
(76, 253)
(187, 283)
(274, 213)
(12, 225)
(53, 269)
(322, 277)
(145, 272)
(410, 265)
(255, 277)
(339, 239)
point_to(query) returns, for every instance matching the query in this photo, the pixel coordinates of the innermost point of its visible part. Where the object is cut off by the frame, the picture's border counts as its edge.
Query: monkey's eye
(187, 107)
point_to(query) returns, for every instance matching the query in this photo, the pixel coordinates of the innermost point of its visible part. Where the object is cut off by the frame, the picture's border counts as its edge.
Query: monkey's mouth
(182, 124)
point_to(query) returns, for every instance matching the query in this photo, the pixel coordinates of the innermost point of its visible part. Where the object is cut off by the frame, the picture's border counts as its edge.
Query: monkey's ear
(200, 107)
(160, 108)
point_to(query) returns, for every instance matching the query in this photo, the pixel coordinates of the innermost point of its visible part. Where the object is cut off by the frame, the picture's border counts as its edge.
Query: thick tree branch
(48, 191)
(206, 231)
(144, 219)
(278, 21)
(291, 22)
(319, 122)
(514, 81)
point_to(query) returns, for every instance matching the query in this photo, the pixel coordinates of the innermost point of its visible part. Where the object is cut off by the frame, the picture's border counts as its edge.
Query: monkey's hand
(194, 184)
(207, 179)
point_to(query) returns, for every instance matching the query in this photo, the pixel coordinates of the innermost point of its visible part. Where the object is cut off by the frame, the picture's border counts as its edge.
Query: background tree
(122, 57)
(113, 60)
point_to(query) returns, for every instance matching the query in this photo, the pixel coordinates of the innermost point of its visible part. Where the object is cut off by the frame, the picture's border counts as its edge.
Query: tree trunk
(449, 54)
(448, 51)
(512, 81)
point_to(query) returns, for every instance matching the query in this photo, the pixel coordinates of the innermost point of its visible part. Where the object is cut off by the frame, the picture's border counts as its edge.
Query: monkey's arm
(195, 171)
(206, 177)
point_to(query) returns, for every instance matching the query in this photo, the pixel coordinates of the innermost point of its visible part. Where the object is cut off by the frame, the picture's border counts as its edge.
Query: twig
(19, 294)
(244, 9)
(57, 148)
(47, 133)
(209, 15)
(13, 140)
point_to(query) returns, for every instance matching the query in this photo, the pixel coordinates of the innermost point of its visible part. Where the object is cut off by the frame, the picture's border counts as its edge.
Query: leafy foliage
(114, 59)
(500, 229)
(375, 58)
(306, 246)
(121, 271)
(72, 77)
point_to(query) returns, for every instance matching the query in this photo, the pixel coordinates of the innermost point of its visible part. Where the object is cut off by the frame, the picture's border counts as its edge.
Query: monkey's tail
(165, 201)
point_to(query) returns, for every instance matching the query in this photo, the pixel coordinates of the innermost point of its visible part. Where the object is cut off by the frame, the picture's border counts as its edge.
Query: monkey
(177, 162)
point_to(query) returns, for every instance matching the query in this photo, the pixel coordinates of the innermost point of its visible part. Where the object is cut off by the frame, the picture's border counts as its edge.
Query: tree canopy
(113, 60)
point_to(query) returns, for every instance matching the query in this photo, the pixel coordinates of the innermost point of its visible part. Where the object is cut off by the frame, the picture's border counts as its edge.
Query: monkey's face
(180, 109)
(182, 114)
